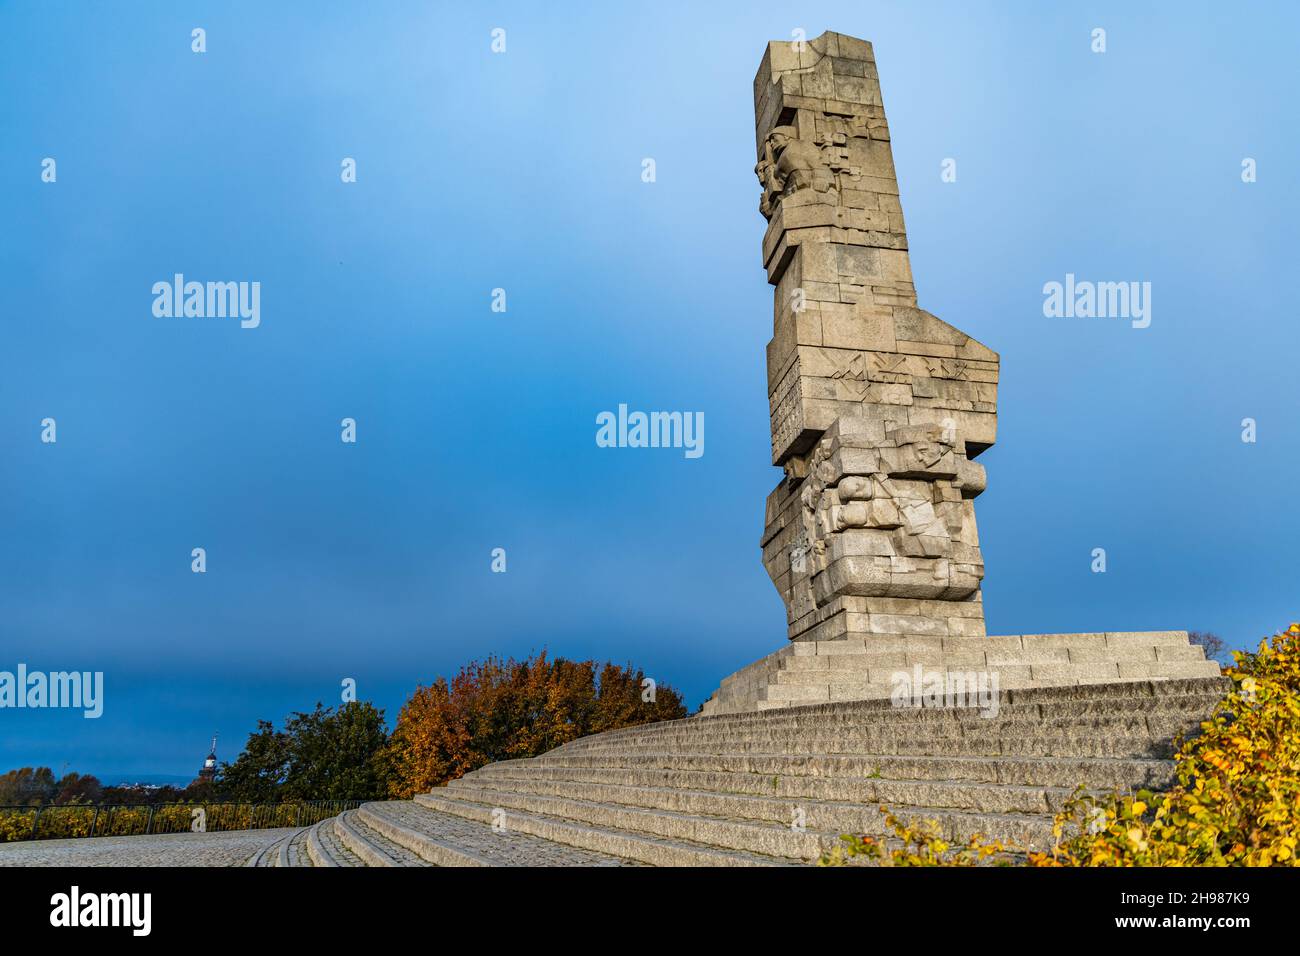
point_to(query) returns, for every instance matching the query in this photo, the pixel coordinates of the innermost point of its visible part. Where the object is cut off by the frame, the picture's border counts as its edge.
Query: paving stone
(226, 848)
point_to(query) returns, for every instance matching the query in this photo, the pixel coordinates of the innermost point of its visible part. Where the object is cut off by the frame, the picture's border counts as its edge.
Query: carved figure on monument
(897, 511)
(789, 164)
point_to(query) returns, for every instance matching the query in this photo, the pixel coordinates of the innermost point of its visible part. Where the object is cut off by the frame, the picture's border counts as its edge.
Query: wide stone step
(905, 659)
(1102, 773)
(1189, 708)
(778, 694)
(1062, 701)
(1186, 714)
(1161, 725)
(946, 794)
(1039, 664)
(325, 849)
(294, 851)
(428, 843)
(642, 847)
(880, 679)
(450, 840)
(768, 838)
(913, 720)
(1082, 744)
(850, 688)
(270, 855)
(828, 804)
(371, 844)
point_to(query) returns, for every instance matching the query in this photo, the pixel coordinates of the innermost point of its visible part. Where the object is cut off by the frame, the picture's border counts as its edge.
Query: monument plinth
(878, 410)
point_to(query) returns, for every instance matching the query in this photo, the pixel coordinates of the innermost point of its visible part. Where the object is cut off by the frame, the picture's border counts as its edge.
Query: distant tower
(209, 770)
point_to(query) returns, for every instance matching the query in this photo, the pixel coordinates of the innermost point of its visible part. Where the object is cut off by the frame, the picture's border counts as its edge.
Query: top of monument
(847, 329)
(795, 56)
(833, 74)
(790, 55)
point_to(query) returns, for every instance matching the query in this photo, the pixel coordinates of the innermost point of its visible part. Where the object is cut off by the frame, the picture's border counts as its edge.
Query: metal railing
(60, 822)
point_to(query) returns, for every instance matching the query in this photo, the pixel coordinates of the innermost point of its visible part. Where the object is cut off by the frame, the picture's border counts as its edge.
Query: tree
(140, 793)
(260, 770)
(1213, 644)
(322, 755)
(27, 787)
(506, 709)
(333, 754)
(202, 790)
(77, 788)
(622, 700)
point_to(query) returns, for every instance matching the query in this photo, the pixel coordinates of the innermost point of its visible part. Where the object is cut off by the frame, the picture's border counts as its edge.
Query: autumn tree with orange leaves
(505, 709)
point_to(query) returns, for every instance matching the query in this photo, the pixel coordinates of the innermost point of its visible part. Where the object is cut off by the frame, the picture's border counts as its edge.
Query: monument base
(889, 618)
(883, 666)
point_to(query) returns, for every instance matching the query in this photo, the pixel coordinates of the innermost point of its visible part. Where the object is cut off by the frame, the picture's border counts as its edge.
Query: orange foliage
(506, 709)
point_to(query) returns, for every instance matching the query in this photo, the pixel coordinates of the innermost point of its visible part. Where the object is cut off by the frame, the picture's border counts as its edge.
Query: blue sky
(476, 429)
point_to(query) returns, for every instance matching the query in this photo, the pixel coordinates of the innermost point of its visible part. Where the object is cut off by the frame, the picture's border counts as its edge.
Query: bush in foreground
(1237, 797)
(57, 822)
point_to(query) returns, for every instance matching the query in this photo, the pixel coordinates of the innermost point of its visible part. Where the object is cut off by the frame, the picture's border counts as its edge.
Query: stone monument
(879, 410)
(878, 407)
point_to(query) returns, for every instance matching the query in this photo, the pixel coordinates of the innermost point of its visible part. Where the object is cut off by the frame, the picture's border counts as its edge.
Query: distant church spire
(210, 764)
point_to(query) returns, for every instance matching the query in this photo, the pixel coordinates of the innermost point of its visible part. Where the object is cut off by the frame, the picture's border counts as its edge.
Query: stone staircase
(402, 833)
(779, 786)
